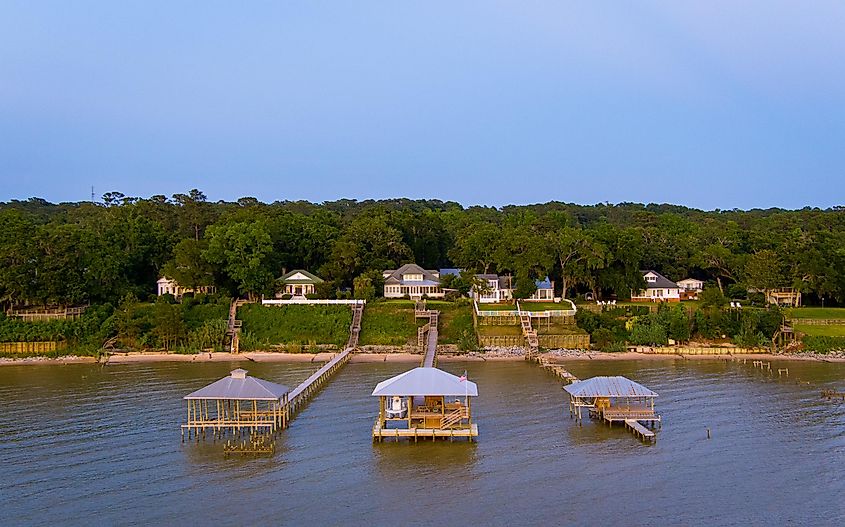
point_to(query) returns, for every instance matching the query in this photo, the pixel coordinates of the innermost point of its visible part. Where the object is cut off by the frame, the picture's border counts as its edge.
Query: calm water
(84, 444)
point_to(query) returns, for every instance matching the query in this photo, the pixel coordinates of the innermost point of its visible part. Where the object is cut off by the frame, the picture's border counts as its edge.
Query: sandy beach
(405, 357)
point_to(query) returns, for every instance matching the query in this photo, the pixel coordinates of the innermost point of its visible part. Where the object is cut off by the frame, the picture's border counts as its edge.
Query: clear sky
(712, 104)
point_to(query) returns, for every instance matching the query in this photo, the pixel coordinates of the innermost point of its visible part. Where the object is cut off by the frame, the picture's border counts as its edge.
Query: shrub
(824, 344)
(713, 297)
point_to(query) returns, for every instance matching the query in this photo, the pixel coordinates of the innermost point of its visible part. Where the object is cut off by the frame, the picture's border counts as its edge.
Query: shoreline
(405, 357)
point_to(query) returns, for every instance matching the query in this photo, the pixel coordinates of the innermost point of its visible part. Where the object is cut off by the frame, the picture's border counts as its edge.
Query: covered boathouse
(615, 399)
(425, 402)
(237, 404)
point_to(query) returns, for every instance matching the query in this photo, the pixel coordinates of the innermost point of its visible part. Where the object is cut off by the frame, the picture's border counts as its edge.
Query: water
(88, 445)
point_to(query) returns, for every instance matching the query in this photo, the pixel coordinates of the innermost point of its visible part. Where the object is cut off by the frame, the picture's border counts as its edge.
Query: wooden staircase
(355, 328)
(454, 417)
(233, 326)
(530, 335)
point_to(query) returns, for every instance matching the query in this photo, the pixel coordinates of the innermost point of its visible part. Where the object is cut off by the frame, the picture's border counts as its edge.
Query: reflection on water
(85, 444)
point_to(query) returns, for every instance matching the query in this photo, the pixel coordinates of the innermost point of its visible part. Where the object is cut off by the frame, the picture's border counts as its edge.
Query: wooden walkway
(380, 434)
(233, 326)
(427, 335)
(310, 386)
(644, 433)
(556, 369)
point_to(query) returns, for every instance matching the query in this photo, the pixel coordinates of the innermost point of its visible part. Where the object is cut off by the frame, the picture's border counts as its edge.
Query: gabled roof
(690, 280)
(304, 277)
(425, 381)
(240, 386)
(450, 271)
(661, 283)
(395, 276)
(543, 284)
(608, 387)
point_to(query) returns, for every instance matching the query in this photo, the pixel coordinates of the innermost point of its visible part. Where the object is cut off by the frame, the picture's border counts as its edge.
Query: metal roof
(310, 278)
(426, 381)
(660, 283)
(608, 387)
(240, 386)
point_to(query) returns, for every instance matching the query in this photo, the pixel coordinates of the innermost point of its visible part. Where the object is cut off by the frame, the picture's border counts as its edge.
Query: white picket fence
(306, 301)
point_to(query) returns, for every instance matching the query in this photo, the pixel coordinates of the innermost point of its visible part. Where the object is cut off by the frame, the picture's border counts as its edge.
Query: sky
(710, 104)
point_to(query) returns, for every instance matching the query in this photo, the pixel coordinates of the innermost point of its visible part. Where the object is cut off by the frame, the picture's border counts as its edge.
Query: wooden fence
(32, 347)
(818, 322)
(39, 314)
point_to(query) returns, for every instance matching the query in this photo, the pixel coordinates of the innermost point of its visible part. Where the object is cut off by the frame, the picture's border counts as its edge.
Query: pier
(425, 402)
(427, 334)
(613, 400)
(250, 411)
(310, 386)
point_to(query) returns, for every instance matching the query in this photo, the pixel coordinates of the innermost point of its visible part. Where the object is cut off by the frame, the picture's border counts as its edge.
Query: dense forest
(91, 253)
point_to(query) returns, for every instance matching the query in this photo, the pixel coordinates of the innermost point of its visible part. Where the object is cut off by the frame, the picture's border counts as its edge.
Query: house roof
(450, 271)
(240, 386)
(395, 276)
(544, 284)
(608, 387)
(425, 381)
(690, 281)
(304, 278)
(661, 283)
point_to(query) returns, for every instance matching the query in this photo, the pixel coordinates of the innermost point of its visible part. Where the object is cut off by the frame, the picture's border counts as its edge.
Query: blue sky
(716, 104)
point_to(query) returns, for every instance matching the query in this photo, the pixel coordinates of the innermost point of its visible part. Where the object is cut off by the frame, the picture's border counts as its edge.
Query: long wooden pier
(313, 384)
(427, 335)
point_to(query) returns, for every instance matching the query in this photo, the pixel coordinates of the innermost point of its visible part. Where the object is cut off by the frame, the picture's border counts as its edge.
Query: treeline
(76, 253)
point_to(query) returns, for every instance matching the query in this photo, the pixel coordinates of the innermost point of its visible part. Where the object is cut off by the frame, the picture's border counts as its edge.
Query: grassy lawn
(497, 307)
(544, 306)
(388, 323)
(455, 320)
(817, 312)
(492, 331)
(822, 331)
(303, 324)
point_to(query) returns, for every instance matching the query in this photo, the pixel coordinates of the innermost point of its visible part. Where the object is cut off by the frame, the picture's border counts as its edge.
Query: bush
(649, 332)
(713, 297)
(824, 344)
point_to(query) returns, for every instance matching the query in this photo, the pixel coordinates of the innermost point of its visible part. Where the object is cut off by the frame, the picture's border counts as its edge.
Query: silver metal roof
(240, 386)
(426, 381)
(608, 387)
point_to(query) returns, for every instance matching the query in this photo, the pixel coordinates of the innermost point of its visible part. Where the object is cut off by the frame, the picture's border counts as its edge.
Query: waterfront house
(658, 289)
(413, 281)
(168, 286)
(298, 283)
(425, 402)
(500, 289)
(690, 288)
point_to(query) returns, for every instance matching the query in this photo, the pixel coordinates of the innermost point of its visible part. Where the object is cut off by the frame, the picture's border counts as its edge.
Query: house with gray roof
(658, 289)
(413, 281)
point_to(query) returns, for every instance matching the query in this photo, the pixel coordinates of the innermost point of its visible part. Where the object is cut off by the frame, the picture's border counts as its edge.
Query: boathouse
(238, 404)
(425, 402)
(615, 399)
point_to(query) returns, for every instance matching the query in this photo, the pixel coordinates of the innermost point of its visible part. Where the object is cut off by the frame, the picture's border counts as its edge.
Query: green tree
(242, 250)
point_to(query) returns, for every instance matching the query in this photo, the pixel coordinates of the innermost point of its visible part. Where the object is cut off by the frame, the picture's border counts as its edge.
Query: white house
(413, 281)
(658, 289)
(690, 287)
(298, 283)
(168, 286)
(500, 289)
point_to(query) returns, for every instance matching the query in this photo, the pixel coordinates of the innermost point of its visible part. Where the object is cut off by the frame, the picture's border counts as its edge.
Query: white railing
(535, 314)
(275, 302)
